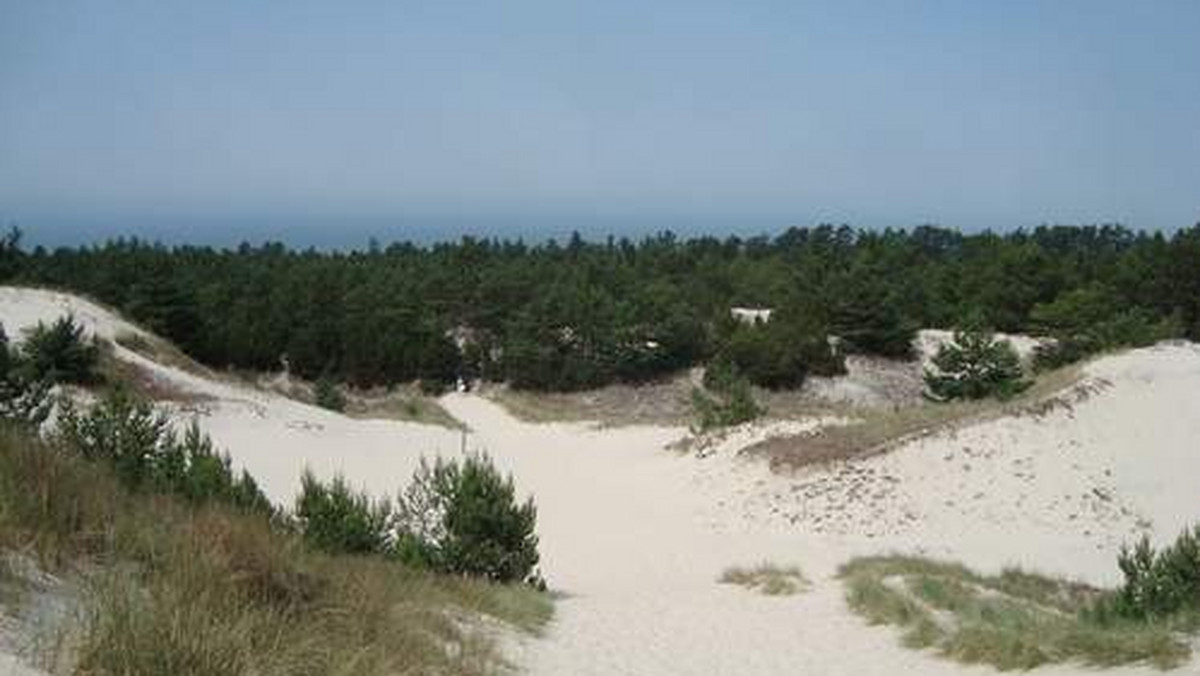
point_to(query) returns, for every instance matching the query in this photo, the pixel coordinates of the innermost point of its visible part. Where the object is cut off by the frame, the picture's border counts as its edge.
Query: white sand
(636, 535)
(929, 341)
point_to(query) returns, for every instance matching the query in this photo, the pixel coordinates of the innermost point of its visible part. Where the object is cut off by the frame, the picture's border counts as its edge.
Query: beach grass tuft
(767, 578)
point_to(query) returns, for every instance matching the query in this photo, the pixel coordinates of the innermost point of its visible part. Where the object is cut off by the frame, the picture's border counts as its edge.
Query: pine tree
(975, 365)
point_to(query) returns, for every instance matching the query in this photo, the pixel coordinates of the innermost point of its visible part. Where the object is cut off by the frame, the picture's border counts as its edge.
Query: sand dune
(635, 534)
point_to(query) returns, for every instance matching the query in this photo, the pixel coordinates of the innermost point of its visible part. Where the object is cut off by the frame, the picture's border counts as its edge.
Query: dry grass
(405, 402)
(666, 402)
(669, 401)
(170, 589)
(879, 430)
(142, 381)
(161, 351)
(1015, 620)
(767, 578)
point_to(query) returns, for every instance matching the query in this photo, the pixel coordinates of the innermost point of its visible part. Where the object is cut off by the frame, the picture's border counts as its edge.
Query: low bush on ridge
(975, 365)
(61, 353)
(458, 518)
(49, 355)
(464, 518)
(335, 518)
(23, 398)
(145, 453)
(1159, 586)
(327, 395)
(726, 399)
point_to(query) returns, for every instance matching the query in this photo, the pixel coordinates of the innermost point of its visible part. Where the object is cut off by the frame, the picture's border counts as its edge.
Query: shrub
(1160, 584)
(137, 442)
(192, 469)
(973, 366)
(60, 353)
(727, 402)
(119, 430)
(783, 352)
(735, 407)
(464, 518)
(337, 519)
(328, 396)
(23, 400)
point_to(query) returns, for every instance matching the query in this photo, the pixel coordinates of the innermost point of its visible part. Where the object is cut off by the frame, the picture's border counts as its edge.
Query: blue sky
(327, 123)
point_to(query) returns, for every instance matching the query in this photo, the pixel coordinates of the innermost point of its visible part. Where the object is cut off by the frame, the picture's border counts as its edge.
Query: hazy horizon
(320, 125)
(341, 236)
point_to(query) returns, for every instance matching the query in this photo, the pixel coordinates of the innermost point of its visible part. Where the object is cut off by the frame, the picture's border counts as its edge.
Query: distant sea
(357, 233)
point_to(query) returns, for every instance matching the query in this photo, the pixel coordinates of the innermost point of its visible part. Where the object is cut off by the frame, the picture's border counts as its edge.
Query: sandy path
(635, 535)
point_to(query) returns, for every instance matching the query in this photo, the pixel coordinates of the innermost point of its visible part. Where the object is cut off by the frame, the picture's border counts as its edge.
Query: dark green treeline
(582, 314)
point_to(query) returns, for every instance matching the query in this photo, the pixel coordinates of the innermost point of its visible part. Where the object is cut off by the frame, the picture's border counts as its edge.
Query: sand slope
(635, 535)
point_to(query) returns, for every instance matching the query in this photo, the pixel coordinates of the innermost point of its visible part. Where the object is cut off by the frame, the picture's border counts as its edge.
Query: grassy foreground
(1015, 620)
(170, 589)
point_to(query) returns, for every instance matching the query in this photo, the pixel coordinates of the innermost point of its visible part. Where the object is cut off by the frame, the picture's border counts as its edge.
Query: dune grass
(662, 402)
(160, 351)
(173, 589)
(404, 402)
(767, 578)
(140, 380)
(1015, 620)
(878, 430)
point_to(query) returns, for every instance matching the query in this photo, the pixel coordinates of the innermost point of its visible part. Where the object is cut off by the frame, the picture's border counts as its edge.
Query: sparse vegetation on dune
(160, 351)
(181, 589)
(403, 402)
(328, 395)
(143, 381)
(879, 429)
(725, 400)
(60, 352)
(1015, 620)
(975, 365)
(670, 402)
(767, 578)
(180, 565)
(664, 402)
(407, 402)
(1160, 586)
(458, 517)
